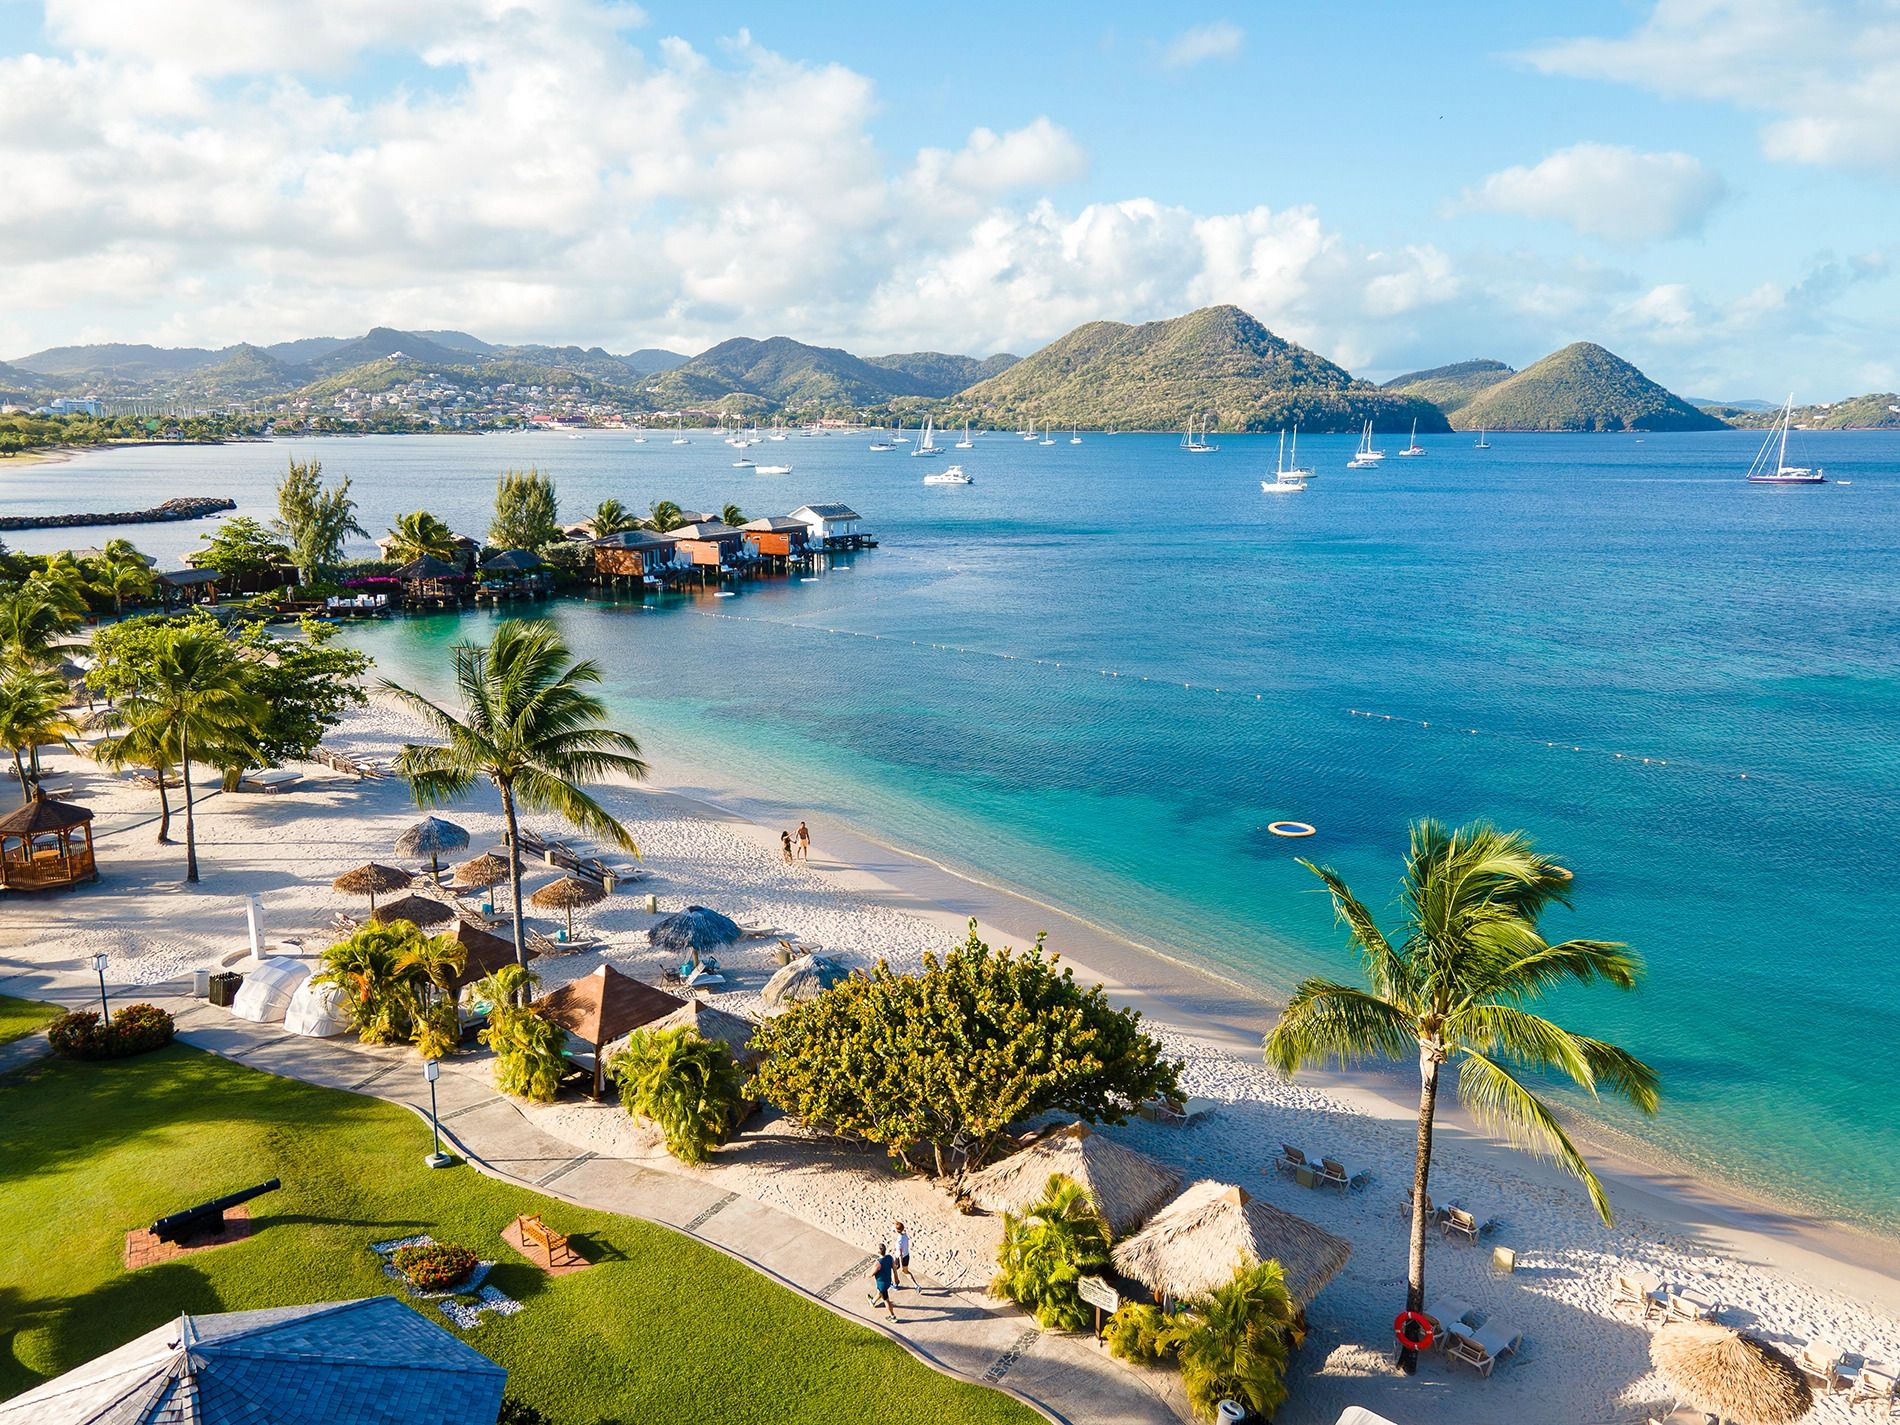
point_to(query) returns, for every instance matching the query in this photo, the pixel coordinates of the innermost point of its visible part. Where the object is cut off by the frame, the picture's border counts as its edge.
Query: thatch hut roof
(606, 1005)
(807, 977)
(370, 879)
(487, 953)
(512, 561)
(417, 910)
(1194, 1243)
(695, 928)
(41, 815)
(568, 893)
(487, 869)
(709, 1021)
(1125, 1186)
(427, 567)
(432, 836)
(1737, 1377)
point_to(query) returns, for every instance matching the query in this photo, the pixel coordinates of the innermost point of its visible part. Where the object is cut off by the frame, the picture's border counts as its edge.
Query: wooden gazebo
(604, 1006)
(45, 844)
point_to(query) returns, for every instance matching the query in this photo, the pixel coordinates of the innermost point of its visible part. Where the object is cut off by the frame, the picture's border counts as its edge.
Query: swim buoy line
(1414, 1329)
(1291, 828)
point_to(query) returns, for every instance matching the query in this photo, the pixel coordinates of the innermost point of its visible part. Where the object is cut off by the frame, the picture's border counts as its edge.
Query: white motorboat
(771, 469)
(949, 475)
(742, 463)
(1414, 450)
(1776, 470)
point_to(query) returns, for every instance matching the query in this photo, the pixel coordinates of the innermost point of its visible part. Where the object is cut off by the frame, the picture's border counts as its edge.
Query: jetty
(188, 508)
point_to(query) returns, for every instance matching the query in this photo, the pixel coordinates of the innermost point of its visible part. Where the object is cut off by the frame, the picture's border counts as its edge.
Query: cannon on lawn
(207, 1218)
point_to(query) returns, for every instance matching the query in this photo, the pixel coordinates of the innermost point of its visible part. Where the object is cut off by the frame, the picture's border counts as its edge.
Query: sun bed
(1484, 1347)
(1875, 1382)
(1637, 1289)
(1332, 1173)
(1821, 1360)
(1451, 1315)
(1457, 1220)
(1682, 1304)
(1291, 1159)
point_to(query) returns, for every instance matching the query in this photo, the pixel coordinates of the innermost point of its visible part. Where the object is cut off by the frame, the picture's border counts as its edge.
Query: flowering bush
(434, 1266)
(135, 1029)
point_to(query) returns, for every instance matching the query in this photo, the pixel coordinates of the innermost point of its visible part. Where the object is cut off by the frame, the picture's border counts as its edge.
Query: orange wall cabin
(620, 563)
(712, 551)
(769, 543)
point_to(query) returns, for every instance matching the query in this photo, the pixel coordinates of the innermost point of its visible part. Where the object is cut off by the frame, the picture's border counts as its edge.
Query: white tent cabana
(266, 992)
(317, 1011)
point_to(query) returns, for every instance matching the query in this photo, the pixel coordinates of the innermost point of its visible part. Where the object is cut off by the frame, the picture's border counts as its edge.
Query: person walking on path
(901, 1258)
(785, 840)
(882, 1277)
(804, 842)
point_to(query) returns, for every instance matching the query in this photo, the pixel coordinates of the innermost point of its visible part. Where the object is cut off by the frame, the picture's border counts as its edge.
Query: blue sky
(1707, 186)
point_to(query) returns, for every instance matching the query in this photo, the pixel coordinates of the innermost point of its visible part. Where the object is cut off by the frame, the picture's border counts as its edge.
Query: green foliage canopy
(527, 512)
(685, 1083)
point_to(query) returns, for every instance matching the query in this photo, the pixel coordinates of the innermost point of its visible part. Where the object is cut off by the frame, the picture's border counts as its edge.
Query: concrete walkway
(1067, 1378)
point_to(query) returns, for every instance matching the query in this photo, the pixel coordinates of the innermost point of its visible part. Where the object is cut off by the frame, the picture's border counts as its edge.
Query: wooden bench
(555, 1244)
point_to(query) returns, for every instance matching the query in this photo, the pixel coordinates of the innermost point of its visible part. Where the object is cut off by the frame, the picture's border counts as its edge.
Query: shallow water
(1000, 686)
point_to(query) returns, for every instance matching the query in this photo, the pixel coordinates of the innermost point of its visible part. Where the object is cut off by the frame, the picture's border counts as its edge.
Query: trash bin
(224, 989)
(200, 983)
(1228, 1413)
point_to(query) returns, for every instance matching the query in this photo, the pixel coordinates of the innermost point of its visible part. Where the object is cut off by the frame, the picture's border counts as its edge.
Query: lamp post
(432, 1070)
(99, 963)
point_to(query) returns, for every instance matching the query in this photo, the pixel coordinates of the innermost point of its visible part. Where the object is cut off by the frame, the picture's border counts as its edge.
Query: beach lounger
(1821, 1360)
(1636, 1289)
(1332, 1173)
(757, 930)
(1873, 1384)
(1431, 1212)
(1484, 1347)
(1456, 1221)
(1682, 1304)
(1450, 1315)
(1291, 1159)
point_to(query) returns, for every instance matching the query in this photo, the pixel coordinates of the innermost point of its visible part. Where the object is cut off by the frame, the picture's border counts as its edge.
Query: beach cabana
(1194, 1243)
(568, 894)
(693, 930)
(805, 978)
(45, 845)
(429, 580)
(371, 879)
(484, 952)
(317, 1011)
(1125, 1186)
(514, 570)
(1737, 1378)
(189, 586)
(432, 837)
(420, 911)
(708, 1021)
(600, 1008)
(265, 995)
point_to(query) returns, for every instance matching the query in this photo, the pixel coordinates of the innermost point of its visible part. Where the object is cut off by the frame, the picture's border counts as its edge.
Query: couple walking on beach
(889, 1264)
(804, 843)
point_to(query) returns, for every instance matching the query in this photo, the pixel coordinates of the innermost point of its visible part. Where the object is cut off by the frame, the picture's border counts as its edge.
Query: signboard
(1097, 1293)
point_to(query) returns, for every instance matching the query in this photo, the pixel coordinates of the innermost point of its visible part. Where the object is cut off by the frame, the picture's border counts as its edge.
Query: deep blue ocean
(1101, 670)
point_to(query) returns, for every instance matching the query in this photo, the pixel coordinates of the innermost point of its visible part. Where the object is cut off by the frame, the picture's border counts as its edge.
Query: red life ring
(1426, 1328)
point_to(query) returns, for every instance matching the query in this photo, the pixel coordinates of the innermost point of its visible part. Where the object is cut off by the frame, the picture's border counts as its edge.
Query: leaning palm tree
(32, 713)
(419, 535)
(732, 515)
(612, 517)
(664, 516)
(143, 746)
(530, 725)
(1453, 988)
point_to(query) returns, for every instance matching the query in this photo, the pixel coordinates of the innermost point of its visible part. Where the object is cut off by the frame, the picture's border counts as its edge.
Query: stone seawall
(183, 509)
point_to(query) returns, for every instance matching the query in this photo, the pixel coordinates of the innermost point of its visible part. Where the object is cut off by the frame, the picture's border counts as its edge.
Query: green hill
(1449, 387)
(1581, 388)
(1217, 363)
(243, 371)
(784, 372)
(942, 374)
(1878, 410)
(381, 342)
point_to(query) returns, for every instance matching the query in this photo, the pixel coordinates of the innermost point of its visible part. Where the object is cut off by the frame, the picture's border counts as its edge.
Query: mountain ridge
(1580, 387)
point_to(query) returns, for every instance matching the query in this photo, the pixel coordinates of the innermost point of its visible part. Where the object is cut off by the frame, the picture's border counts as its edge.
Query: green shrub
(528, 1061)
(434, 1266)
(516, 1411)
(135, 1029)
(1047, 1250)
(686, 1084)
(1234, 1344)
(1142, 1333)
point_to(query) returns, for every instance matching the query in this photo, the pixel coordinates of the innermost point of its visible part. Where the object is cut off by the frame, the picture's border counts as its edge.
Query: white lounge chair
(1457, 1221)
(1821, 1360)
(1451, 1315)
(1637, 1289)
(1484, 1347)
(1875, 1382)
(1681, 1304)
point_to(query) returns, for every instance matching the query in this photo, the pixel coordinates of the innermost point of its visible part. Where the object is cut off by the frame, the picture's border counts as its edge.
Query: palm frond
(1506, 1107)
(1385, 966)
(540, 792)
(1328, 1023)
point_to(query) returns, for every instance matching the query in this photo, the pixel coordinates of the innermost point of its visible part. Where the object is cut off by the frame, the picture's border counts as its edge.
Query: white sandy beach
(1777, 1278)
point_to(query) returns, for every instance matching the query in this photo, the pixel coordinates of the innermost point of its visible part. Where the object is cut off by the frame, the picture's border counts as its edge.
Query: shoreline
(1230, 1017)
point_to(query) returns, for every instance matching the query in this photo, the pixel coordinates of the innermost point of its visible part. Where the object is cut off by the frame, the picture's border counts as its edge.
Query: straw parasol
(434, 838)
(1125, 1186)
(604, 1006)
(567, 893)
(371, 879)
(1739, 1378)
(807, 977)
(417, 910)
(1194, 1243)
(487, 871)
(693, 930)
(709, 1021)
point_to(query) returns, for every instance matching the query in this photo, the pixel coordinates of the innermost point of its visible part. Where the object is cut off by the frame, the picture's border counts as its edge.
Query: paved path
(1069, 1379)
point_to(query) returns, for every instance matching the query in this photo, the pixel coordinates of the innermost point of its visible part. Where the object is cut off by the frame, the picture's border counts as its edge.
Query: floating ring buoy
(1414, 1329)
(1562, 873)
(1290, 828)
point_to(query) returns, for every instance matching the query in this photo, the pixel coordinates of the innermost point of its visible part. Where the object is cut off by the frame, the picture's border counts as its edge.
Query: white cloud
(1825, 73)
(1605, 191)
(1040, 154)
(1219, 39)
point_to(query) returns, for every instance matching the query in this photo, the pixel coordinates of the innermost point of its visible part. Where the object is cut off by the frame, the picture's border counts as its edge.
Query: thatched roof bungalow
(1194, 1244)
(1126, 1186)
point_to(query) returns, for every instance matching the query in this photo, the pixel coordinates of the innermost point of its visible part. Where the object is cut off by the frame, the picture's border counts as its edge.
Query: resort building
(712, 544)
(636, 554)
(832, 526)
(778, 537)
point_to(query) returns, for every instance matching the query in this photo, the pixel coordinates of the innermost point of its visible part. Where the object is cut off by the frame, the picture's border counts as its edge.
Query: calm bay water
(1521, 615)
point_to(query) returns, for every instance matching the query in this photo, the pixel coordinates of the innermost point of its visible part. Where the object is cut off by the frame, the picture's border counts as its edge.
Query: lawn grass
(21, 1017)
(662, 1329)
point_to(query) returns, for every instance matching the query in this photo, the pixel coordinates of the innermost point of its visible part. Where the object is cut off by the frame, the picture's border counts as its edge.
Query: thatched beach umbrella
(1125, 1186)
(1194, 1243)
(567, 893)
(486, 871)
(1738, 1378)
(417, 910)
(807, 977)
(434, 838)
(709, 1021)
(372, 880)
(693, 930)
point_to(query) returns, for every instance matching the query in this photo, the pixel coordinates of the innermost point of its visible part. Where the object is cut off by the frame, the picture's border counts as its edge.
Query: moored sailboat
(1414, 450)
(1777, 471)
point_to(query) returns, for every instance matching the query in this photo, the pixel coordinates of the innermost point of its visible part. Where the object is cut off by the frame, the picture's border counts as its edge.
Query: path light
(99, 963)
(432, 1070)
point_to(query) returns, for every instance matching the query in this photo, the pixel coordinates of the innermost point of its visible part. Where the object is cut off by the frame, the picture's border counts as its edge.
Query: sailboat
(881, 443)
(1285, 479)
(1365, 458)
(1196, 444)
(1414, 450)
(966, 443)
(900, 438)
(1778, 471)
(1030, 434)
(679, 434)
(778, 430)
(1075, 437)
(1480, 443)
(928, 445)
(1047, 438)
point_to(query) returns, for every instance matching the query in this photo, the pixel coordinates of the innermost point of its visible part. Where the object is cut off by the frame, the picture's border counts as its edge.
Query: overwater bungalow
(636, 554)
(834, 527)
(778, 539)
(46, 845)
(429, 582)
(712, 548)
(513, 574)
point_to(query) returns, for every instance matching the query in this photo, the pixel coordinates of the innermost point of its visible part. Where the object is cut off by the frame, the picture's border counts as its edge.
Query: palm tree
(531, 727)
(192, 697)
(612, 517)
(122, 579)
(732, 515)
(1234, 1344)
(147, 745)
(1061, 1239)
(420, 535)
(32, 712)
(1453, 987)
(33, 618)
(664, 517)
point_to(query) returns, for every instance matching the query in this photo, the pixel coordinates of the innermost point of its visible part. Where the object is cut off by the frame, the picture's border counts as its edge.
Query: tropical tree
(1046, 1251)
(612, 517)
(1451, 986)
(527, 514)
(191, 694)
(530, 726)
(241, 546)
(34, 619)
(418, 535)
(527, 1047)
(1233, 1345)
(149, 745)
(431, 964)
(124, 578)
(732, 515)
(687, 1084)
(32, 712)
(315, 518)
(664, 516)
(378, 987)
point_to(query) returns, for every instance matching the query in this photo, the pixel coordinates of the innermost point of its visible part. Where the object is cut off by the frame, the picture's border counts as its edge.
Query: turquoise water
(1603, 594)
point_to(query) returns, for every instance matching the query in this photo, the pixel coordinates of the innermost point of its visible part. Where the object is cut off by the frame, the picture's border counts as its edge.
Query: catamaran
(1778, 471)
(966, 443)
(949, 475)
(1365, 458)
(1414, 450)
(928, 445)
(1285, 478)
